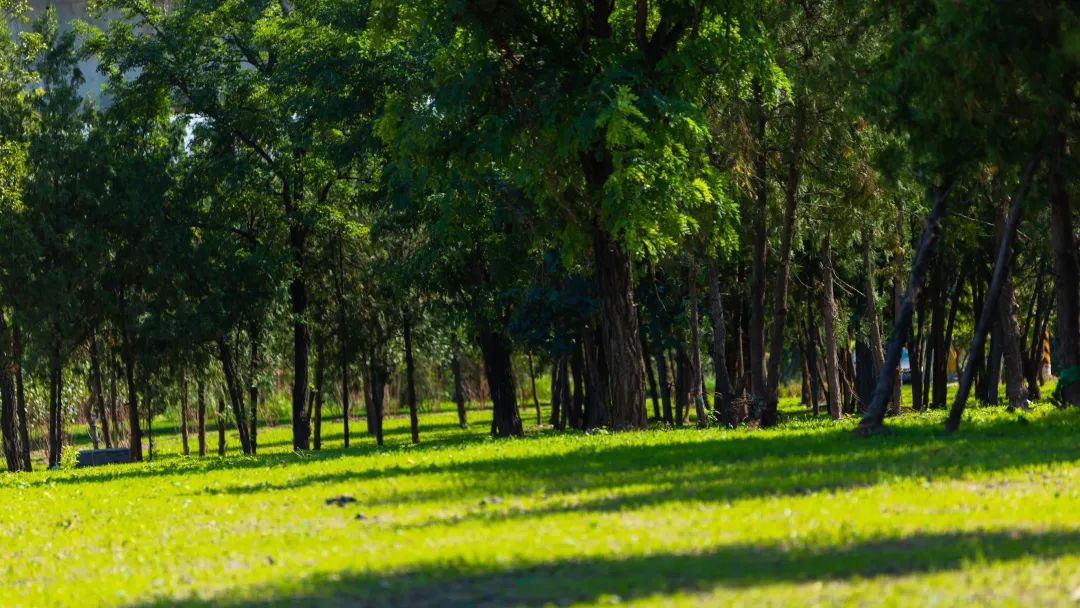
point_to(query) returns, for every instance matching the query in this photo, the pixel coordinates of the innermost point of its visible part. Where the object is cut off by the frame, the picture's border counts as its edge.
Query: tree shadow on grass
(738, 566)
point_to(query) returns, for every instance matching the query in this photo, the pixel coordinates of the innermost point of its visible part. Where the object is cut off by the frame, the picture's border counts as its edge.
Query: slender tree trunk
(56, 407)
(596, 379)
(7, 398)
(149, 425)
(200, 403)
(535, 398)
(665, 388)
(815, 370)
(875, 345)
(940, 356)
(560, 419)
(459, 392)
(236, 394)
(758, 389)
(828, 312)
(1067, 275)
(135, 433)
(875, 413)
(577, 402)
(20, 398)
(410, 386)
(986, 317)
(650, 376)
(346, 409)
(253, 390)
(114, 392)
(320, 386)
(221, 426)
(897, 404)
(98, 392)
(556, 396)
(695, 392)
(724, 392)
(184, 414)
(1011, 340)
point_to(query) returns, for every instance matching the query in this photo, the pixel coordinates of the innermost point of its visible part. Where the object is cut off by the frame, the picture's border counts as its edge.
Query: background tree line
(663, 209)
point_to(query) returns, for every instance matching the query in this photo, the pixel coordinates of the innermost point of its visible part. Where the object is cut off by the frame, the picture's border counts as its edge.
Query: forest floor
(801, 515)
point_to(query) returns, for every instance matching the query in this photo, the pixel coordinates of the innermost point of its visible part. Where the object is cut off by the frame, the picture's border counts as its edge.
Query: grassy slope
(806, 514)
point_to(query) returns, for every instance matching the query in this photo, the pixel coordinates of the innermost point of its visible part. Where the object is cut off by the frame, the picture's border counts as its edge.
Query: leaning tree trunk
(410, 382)
(724, 392)
(828, 312)
(619, 327)
(1067, 276)
(989, 311)
(498, 369)
(875, 412)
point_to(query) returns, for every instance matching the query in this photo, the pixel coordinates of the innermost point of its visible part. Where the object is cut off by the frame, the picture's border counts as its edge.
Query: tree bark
(298, 297)
(20, 398)
(1067, 275)
(236, 394)
(695, 385)
(758, 389)
(56, 406)
(221, 426)
(98, 392)
(410, 386)
(828, 312)
(253, 390)
(135, 433)
(7, 399)
(986, 317)
(200, 397)
(498, 369)
(346, 409)
(939, 349)
(459, 392)
(184, 414)
(724, 393)
(875, 345)
(650, 376)
(320, 385)
(875, 413)
(1011, 340)
(619, 327)
(577, 401)
(535, 398)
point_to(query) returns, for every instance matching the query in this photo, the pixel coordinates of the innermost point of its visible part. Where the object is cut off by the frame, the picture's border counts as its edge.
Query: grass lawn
(806, 514)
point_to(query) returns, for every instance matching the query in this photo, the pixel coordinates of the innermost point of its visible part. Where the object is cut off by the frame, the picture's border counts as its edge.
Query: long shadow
(741, 566)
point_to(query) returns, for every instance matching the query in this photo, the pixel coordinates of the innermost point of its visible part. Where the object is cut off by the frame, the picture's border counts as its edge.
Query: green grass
(806, 514)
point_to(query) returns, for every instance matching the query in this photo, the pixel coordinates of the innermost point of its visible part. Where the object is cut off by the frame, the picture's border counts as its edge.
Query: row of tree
(620, 190)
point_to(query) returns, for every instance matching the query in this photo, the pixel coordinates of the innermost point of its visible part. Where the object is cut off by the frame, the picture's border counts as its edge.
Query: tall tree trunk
(184, 413)
(1067, 275)
(1008, 311)
(897, 403)
(98, 392)
(695, 392)
(873, 326)
(563, 368)
(989, 311)
(298, 297)
(320, 386)
(56, 407)
(758, 388)
(596, 402)
(498, 369)
(724, 392)
(828, 312)
(7, 398)
(379, 376)
(619, 327)
(236, 394)
(875, 413)
(459, 391)
(221, 425)
(149, 425)
(20, 398)
(939, 348)
(577, 402)
(114, 392)
(815, 369)
(346, 410)
(200, 403)
(535, 398)
(650, 375)
(665, 388)
(253, 389)
(410, 386)
(135, 433)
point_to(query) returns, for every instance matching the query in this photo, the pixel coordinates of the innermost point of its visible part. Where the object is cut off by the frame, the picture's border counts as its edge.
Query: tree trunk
(346, 409)
(724, 392)
(875, 413)
(410, 386)
(98, 392)
(828, 312)
(986, 317)
(236, 394)
(695, 386)
(498, 369)
(253, 390)
(320, 386)
(559, 417)
(577, 402)
(665, 387)
(20, 398)
(1011, 340)
(939, 349)
(135, 433)
(619, 327)
(897, 403)
(873, 326)
(758, 389)
(184, 414)
(56, 406)
(114, 392)
(650, 376)
(596, 401)
(535, 398)
(1067, 276)
(7, 399)
(221, 426)
(149, 426)
(459, 392)
(200, 403)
